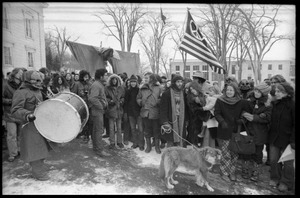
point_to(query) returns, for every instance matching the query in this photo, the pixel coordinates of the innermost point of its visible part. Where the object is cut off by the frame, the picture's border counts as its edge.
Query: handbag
(242, 144)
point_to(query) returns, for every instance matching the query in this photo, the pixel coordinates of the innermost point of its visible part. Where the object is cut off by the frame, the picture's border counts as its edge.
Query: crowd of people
(153, 111)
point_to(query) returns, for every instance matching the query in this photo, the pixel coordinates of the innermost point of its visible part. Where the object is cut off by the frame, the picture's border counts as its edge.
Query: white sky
(79, 21)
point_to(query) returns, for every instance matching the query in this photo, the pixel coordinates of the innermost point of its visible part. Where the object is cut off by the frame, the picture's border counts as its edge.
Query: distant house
(23, 42)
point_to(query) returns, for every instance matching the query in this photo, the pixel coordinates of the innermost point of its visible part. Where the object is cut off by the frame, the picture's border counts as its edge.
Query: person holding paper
(282, 134)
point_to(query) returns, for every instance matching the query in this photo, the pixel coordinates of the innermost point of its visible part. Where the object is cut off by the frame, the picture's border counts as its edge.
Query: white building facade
(23, 40)
(269, 68)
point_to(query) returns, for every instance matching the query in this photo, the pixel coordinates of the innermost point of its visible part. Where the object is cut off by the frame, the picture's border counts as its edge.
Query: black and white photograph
(133, 98)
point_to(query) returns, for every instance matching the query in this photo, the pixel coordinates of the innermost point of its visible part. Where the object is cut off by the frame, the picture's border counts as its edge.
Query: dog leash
(165, 130)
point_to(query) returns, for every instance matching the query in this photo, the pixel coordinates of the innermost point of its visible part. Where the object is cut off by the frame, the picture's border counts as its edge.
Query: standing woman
(282, 133)
(228, 109)
(60, 84)
(81, 88)
(70, 81)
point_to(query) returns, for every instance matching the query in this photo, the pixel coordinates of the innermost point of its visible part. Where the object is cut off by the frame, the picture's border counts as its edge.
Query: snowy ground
(76, 170)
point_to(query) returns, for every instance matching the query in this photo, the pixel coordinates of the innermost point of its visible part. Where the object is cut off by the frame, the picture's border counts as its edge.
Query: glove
(292, 145)
(111, 103)
(31, 117)
(224, 125)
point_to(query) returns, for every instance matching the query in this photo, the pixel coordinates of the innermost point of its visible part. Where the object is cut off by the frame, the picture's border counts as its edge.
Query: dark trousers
(38, 168)
(281, 172)
(137, 133)
(87, 129)
(127, 131)
(106, 125)
(151, 128)
(97, 132)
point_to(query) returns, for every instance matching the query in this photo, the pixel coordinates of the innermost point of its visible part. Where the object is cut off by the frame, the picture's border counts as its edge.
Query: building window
(177, 68)
(233, 69)
(249, 67)
(30, 59)
(28, 27)
(177, 73)
(196, 67)
(204, 67)
(7, 56)
(187, 74)
(249, 77)
(280, 67)
(270, 67)
(205, 74)
(5, 18)
(187, 68)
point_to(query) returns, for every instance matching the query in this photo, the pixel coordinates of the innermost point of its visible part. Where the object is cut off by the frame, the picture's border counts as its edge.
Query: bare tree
(59, 40)
(216, 23)
(176, 37)
(153, 40)
(164, 63)
(125, 25)
(261, 26)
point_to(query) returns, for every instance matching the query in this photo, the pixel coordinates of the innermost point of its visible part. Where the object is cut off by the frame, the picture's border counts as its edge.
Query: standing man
(172, 112)
(98, 104)
(12, 124)
(149, 99)
(33, 146)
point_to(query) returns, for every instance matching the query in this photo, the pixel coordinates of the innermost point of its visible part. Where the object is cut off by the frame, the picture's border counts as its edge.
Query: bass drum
(62, 118)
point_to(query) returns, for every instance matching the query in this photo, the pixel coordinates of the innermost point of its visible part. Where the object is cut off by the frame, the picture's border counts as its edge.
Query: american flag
(195, 44)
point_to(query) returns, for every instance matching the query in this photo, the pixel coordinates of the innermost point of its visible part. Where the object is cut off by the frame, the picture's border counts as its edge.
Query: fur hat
(263, 88)
(199, 74)
(133, 78)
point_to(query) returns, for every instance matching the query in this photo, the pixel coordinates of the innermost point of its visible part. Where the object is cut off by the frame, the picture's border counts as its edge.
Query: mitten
(30, 117)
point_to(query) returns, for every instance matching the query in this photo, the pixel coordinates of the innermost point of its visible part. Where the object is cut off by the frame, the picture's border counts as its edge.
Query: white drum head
(57, 121)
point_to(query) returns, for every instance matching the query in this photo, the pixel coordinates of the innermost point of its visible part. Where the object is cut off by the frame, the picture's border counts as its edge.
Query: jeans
(137, 134)
(112, 122)
(127, 131)
(151, 128)
(281, 172)
(12, 138)
(97, 132)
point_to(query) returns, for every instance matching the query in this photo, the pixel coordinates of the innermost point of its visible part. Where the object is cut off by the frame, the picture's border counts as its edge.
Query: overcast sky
(79, 21)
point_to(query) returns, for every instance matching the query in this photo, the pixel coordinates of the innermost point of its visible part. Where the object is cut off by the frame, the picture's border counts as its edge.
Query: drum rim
(75, 110)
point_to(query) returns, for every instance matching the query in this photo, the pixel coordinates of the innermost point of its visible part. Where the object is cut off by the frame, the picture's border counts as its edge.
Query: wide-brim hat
(199, 74)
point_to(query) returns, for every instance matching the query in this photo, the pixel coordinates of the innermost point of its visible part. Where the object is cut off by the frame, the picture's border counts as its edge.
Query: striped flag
(195, 44)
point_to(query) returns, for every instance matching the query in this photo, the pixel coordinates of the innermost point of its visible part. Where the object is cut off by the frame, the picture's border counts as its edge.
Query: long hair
(82, 74)
(64, 82)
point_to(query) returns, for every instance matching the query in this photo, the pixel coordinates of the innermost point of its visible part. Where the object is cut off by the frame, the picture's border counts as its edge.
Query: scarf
(230, 101)
(178, 121)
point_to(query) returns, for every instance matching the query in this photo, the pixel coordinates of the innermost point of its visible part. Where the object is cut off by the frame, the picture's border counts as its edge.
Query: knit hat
(133, 78)
(175, 78)
(263, 88)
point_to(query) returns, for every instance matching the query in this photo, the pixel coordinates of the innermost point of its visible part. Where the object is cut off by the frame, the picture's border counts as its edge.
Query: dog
(199, 160)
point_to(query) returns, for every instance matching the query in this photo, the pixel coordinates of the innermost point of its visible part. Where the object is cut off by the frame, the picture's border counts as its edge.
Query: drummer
(33, 146)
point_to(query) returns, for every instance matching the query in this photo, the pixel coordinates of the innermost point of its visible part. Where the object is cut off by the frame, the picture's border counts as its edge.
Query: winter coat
(82, 89)
(115, 97)
(131, 106)
(230, 114)
(259, 126)
(71, 84)
(282, 130)
(166, 113)
(149, 99)
(33, 146)
(8, 91)
(96, 98)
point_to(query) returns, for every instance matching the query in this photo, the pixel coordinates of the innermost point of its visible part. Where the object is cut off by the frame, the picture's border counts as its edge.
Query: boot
(157, 149)
(148, 144)
(255, 172)
(245, 170)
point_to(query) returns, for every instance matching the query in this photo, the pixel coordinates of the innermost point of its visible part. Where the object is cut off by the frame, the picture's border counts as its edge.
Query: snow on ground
(25, 185)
